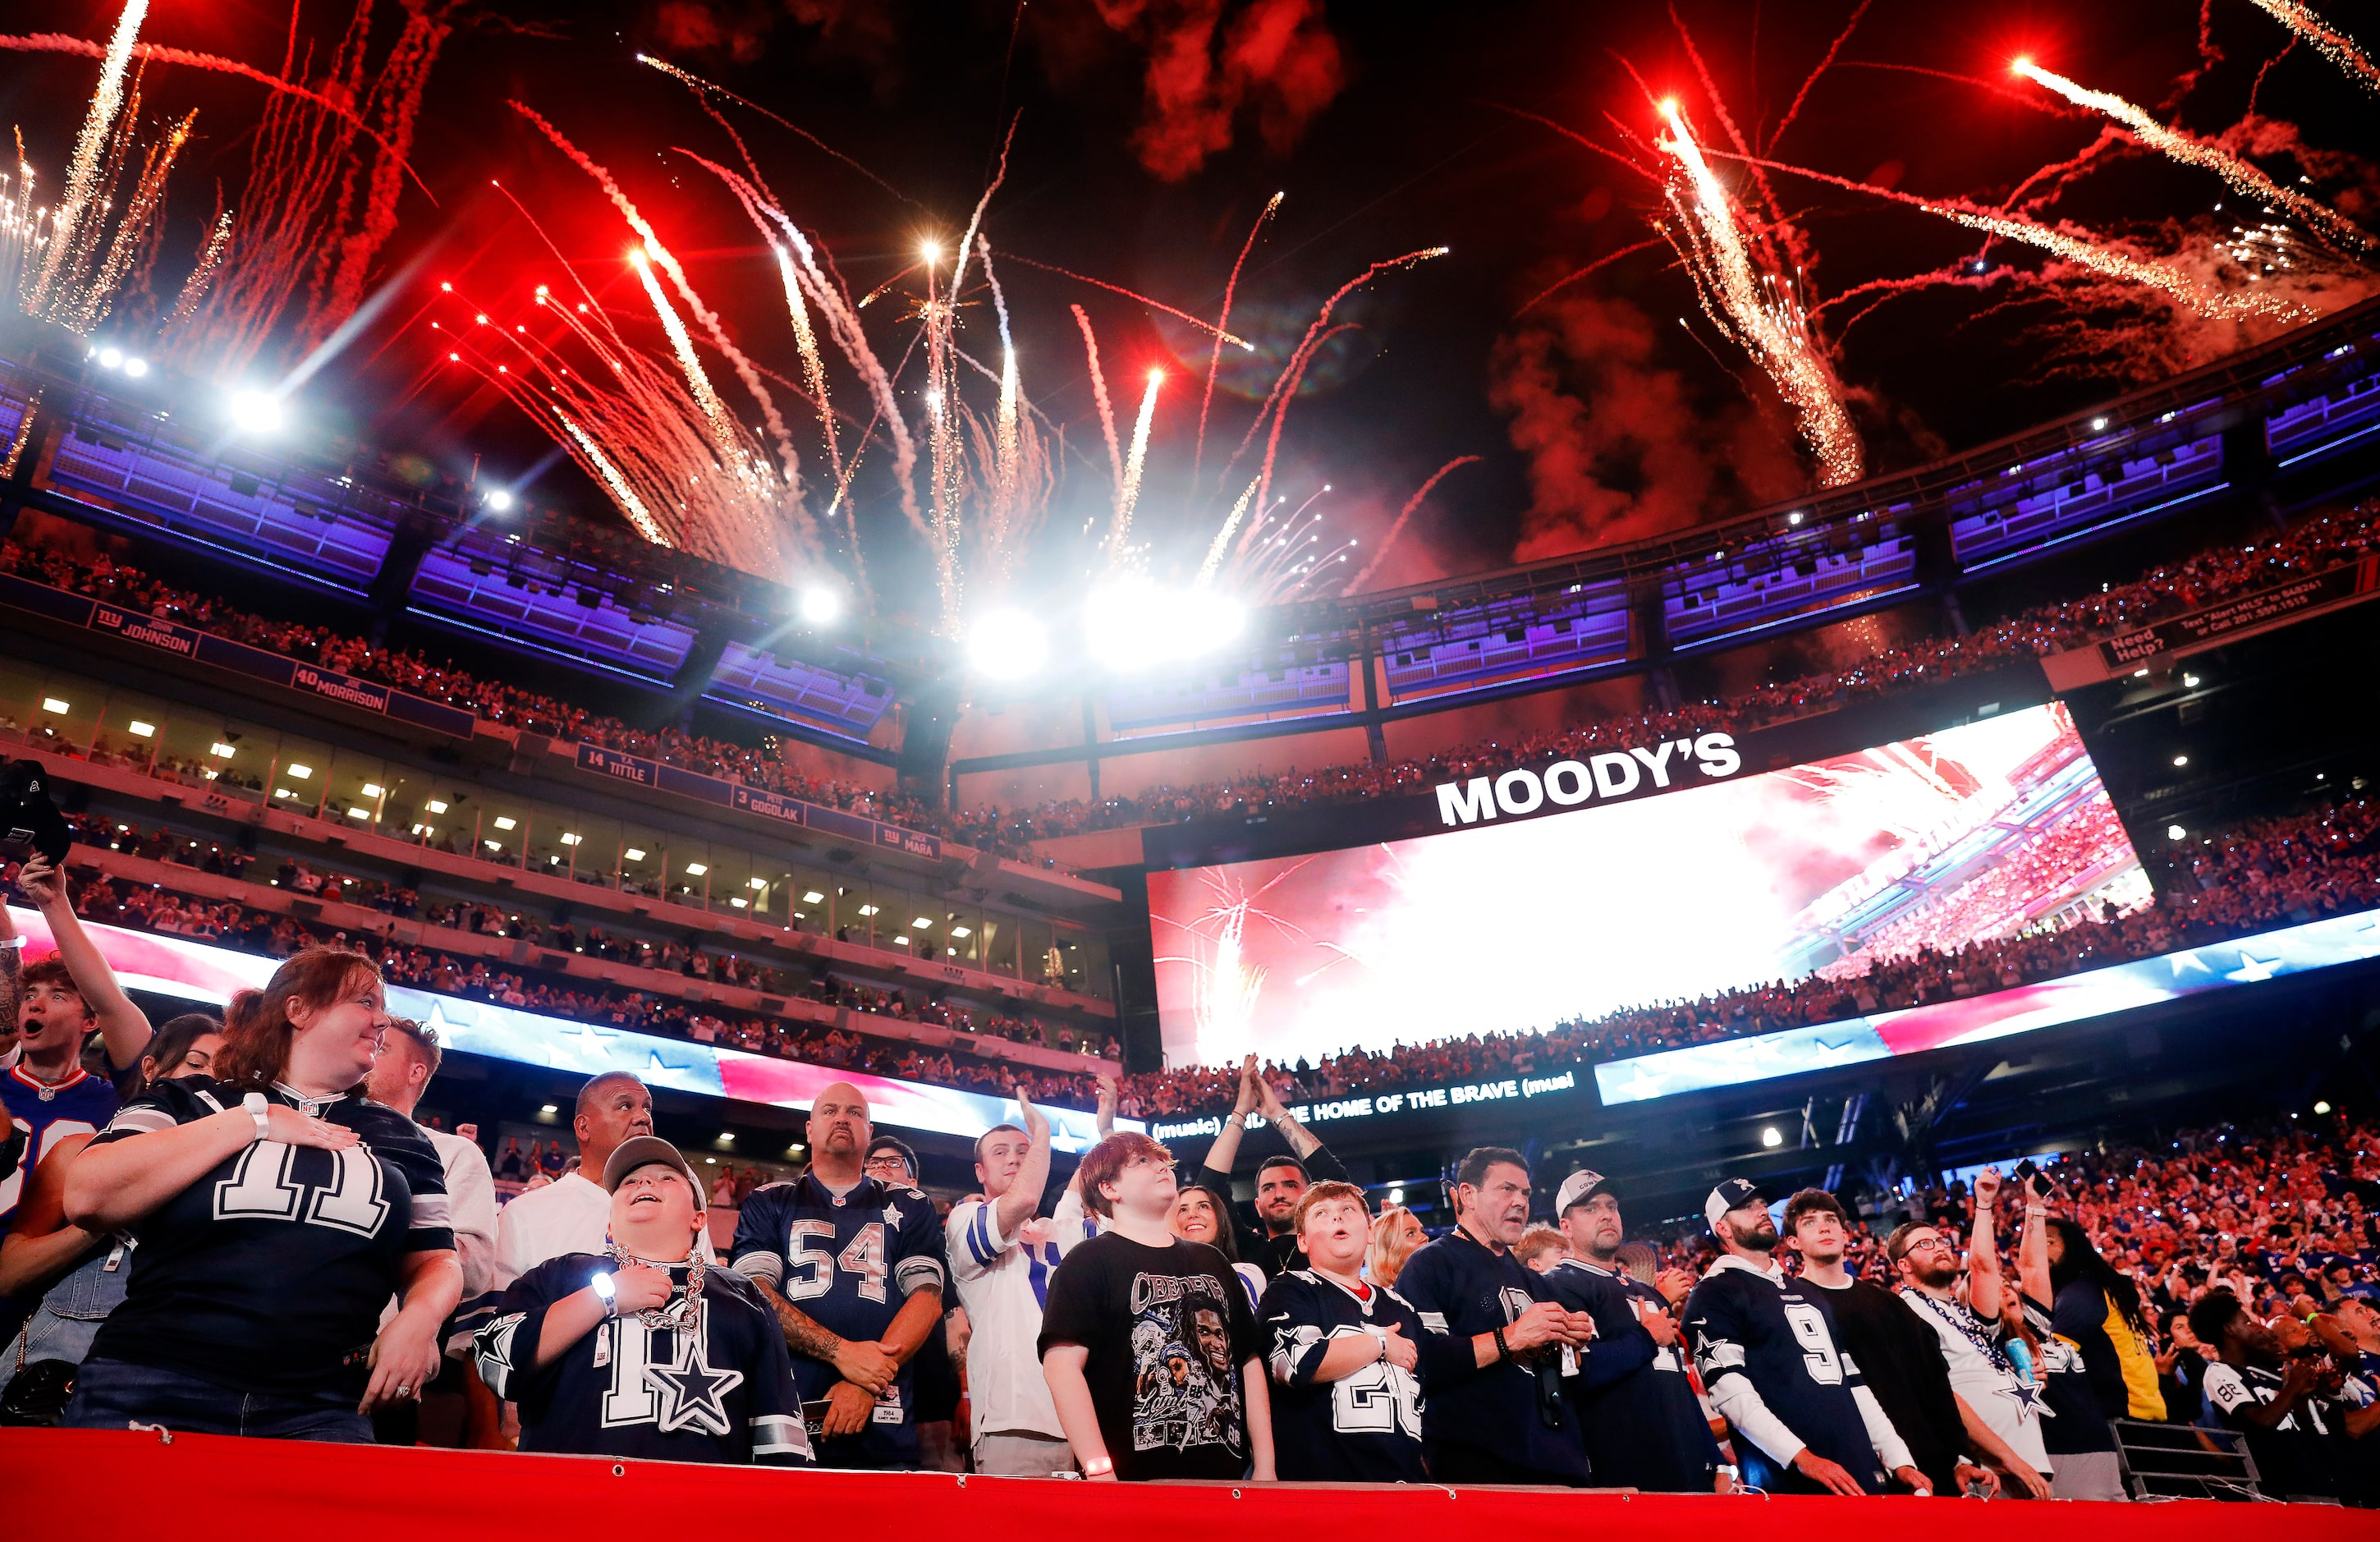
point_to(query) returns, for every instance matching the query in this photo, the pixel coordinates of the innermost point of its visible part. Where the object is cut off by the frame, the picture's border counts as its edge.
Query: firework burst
(1759, 308)
(2240, 175)
(2328, 41)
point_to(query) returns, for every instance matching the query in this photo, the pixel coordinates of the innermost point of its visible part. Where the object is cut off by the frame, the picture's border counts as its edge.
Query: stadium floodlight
(2321, 1107)
(111, 358)
(1771, 1135)
(498, 500)
(819, 606)
(1007, 645)
(2175, 833)
(1132, 624)
(136, 368)
(256, 412)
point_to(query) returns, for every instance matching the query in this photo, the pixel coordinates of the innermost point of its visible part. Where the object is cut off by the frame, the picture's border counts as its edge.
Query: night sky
(1148, 134)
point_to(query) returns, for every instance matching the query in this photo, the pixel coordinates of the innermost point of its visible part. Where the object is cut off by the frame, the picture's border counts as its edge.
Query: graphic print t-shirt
(1167, 1330)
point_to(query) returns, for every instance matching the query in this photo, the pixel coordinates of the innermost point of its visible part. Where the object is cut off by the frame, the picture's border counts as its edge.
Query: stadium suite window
(297, 770)
(643, 858)
(356, 787)
(546, 844)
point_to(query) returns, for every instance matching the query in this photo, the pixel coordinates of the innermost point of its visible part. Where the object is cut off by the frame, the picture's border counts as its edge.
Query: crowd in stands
(227, 923)
(2313, 545)
(2266, 873)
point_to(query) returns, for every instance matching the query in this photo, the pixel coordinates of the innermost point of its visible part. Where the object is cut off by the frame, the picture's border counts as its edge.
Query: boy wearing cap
(644, 1351)
(1644, 1427)
(1766, 1349)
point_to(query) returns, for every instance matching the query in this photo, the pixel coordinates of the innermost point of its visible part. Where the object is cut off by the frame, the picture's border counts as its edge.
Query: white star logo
(692, 1389)
(2188, 961)
(893, 1216)
(2252, 968)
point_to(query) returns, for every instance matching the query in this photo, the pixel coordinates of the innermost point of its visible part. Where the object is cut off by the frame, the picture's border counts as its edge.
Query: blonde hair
(1386, 1258)
(1536, 1242)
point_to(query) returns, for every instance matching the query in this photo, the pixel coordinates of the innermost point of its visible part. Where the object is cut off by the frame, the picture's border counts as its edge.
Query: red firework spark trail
(1276, 404)
(401, 79)
(59, 42)
(1836, 47)
(1599, 264)
(1100, 392)
(1735, 135)
(1403, 515)
(1120, 289)
(802, 528)
(671, 69)
(2019, 98)
(1573, 135)
(1215, 361)
(2059, 173)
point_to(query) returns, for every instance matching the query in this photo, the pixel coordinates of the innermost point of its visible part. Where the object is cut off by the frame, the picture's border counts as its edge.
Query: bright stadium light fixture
(1772, 1137)
(136, 368)
(360, 812)
(111, 358)
(2182, 759)
(569, 838)
(1397, 1194)
(819, 606)
(922, 924)
(2321, 1107)
(373, 789)
(961, 932)
(2175, 833)
(256, 412)
(696, 870)
(868, 910)
(141, 730)
(760, 883)
(1132, 624)
(221, 751)
(54, 704)
(1007, 645)
(633, 855)
(299, 774)
(811, 896)
(435, 806)
(506, 823)
(498, 500)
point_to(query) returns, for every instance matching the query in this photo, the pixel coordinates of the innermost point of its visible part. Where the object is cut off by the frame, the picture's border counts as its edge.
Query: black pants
(1454, 1464)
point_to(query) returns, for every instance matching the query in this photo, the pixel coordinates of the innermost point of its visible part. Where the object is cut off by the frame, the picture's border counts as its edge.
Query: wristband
(259, 1108)
(1503, 1350)
(1098, 1467)
(605, 1291)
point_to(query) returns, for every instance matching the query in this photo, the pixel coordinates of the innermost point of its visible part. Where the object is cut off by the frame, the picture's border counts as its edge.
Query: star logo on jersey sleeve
(692, 1389)
(893, 1216)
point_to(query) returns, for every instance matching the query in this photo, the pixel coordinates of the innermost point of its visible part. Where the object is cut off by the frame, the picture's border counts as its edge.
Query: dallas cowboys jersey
(269, 1274)
(1983, 1376)
(1361, 1429)
(1779, 1337)
(721, 1392)
(1003, 1283)
(849, 1264)
(1643, 1424)
(1512, 1409)
(2076, 1427)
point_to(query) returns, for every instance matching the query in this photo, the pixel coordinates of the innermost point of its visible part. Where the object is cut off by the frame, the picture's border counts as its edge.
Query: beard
(1761, 1237)
(1937, 1278)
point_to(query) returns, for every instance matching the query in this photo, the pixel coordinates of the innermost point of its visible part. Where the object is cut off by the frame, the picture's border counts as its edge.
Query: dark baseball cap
(644, 1151)
(1734, 1195)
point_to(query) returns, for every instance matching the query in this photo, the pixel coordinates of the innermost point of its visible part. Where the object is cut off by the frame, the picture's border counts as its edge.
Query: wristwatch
(259, 1107)
(601, 1283)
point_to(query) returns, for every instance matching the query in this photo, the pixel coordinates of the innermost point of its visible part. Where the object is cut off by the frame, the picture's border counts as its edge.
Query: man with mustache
(1769, 1353)
(853, 1268)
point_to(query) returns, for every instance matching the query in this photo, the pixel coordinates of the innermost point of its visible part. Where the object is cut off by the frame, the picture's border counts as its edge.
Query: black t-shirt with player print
(1167, 1330)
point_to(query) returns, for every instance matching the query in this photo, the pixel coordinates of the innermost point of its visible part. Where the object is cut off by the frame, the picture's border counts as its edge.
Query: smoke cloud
(1208, 62)
(1619, 448)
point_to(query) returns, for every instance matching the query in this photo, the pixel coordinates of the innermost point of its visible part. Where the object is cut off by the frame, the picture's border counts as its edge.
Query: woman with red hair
(276, 1210)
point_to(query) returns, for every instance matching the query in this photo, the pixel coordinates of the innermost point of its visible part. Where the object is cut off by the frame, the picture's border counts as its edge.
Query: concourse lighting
(2321, 1107)
(812, 897)
(868, 910)
(498, 500)
(548, 1109)
(961, 932)
(2182, 759)
(760, 883)
(360, 812)
(223, 751)
(136, 368)
(506, 823)
(1007, 645)
(54, 704)
(435, 806)
(633, 855)
(696, 870)
(299, 774)
(922, 924)
(142, 730)
(1772, 1137)
(373, 789)
(256, 412)
(1397, 1194)
(819, 606)
(569, 838)
(2175, 833)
